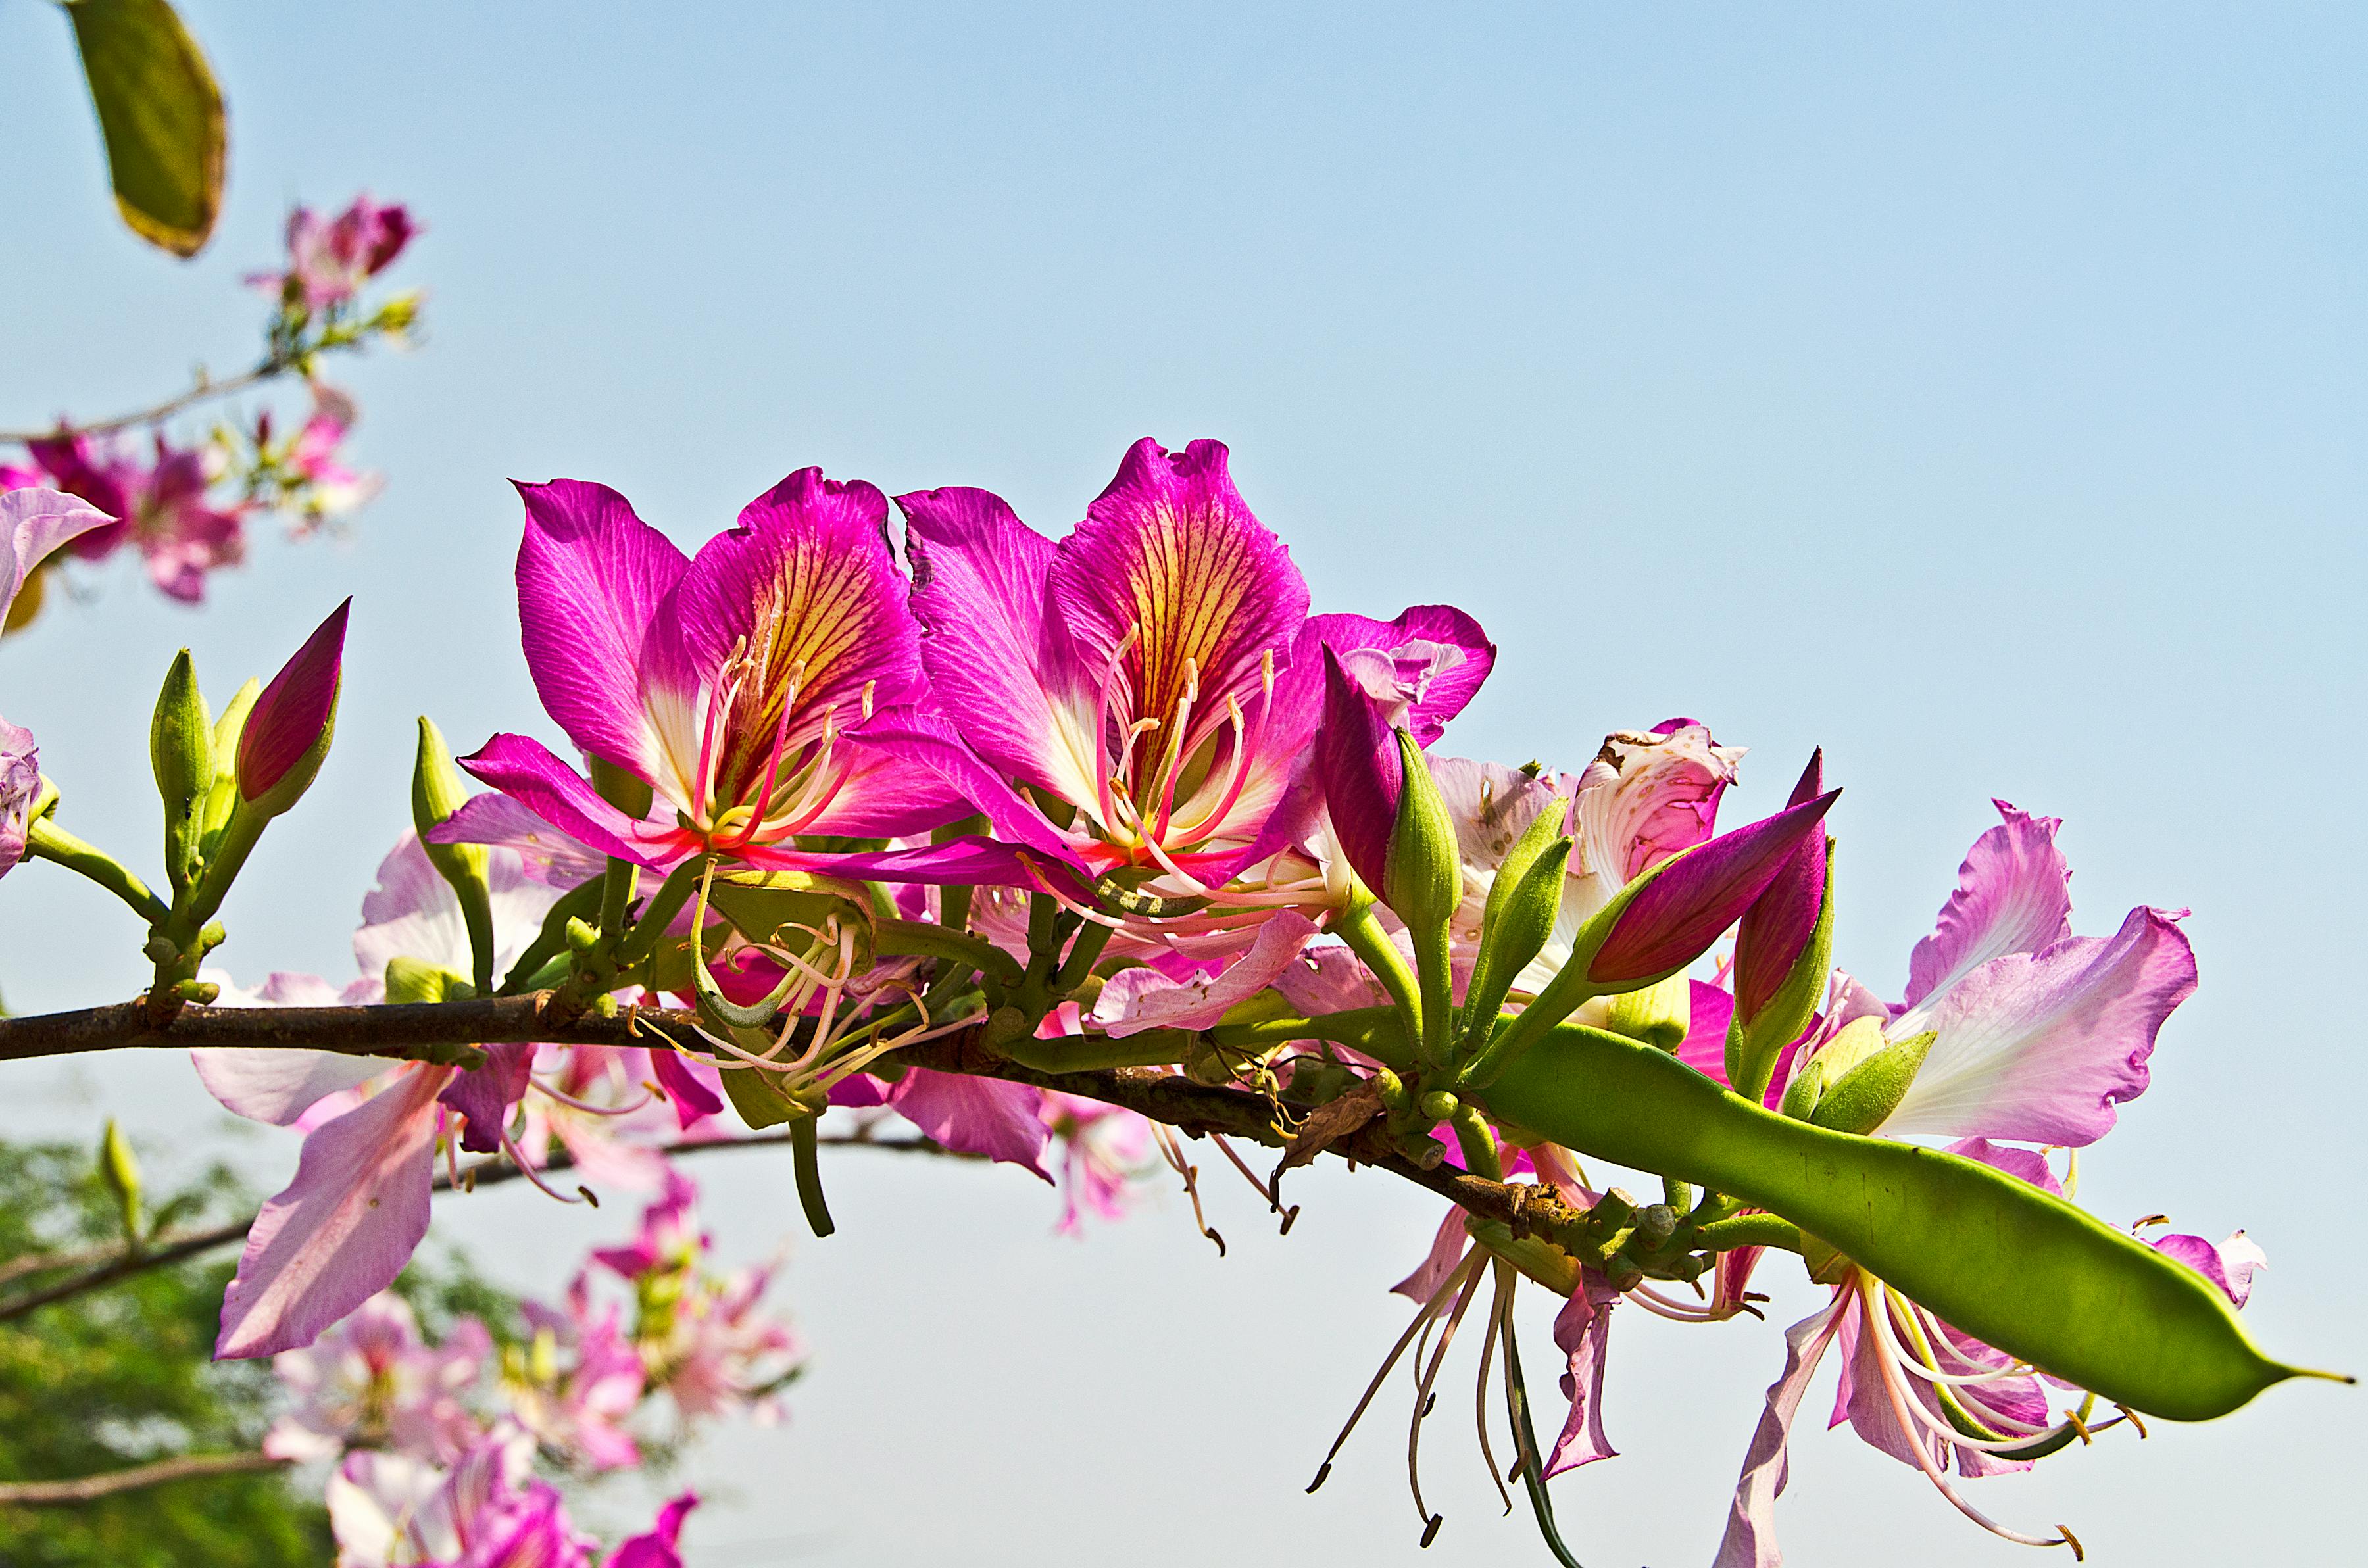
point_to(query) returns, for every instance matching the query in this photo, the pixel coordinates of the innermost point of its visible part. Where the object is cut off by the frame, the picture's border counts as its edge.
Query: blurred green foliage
(122, 1375)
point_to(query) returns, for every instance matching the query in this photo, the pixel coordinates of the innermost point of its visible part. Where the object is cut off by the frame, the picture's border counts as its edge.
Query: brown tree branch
(89, 1488)
(438, 1030)
(103, 1266)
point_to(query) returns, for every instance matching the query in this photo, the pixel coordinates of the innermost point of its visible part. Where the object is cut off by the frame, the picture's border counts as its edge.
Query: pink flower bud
(1674, 920)
(288, 732)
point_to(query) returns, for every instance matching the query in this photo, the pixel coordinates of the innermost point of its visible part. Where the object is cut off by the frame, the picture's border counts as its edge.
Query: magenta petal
(806, 580)
(930, 740)
(976, 1116)
(1581, 1330)
(692, 1098)
(2013, 896)
(33, 524)
(969, 861)
(485, 1095)
(2229, 1265)
(1362, 770)
(525, 769)
(1440, 656)
(1704, 1047)
(979, 577)
(1171, 556)
(2024, 1164)
(294, 708)
(344, 1228)
(590, 578)
(1777, 928)
(1448, 1246)
(546, 853)
(1140, 999)
(2040, 1048)
(1751, 1538)
(1676, 918)
(657, 1546)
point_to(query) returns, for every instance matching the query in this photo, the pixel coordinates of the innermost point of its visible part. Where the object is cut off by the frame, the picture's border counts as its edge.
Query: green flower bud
(180, 752)
(1658, 1014)
(1425, 872)
(437, 791)
(121, 1171)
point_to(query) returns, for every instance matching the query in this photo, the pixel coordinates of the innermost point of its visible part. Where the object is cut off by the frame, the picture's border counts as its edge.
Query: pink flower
(162, 507)
(582, 1382)
(389, 1510)
(1104, 1148)
(371, 1379)
(330, 259)
(657, 1546)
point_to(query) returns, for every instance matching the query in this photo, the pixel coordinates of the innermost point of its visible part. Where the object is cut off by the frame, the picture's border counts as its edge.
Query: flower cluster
(433, 1449)
(946, 828)
(186, 507)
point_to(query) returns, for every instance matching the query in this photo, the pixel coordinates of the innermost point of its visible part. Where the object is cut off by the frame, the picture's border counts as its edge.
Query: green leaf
(161, 114)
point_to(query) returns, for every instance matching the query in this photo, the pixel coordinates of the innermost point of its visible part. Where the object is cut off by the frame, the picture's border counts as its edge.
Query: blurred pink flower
(372, 1380)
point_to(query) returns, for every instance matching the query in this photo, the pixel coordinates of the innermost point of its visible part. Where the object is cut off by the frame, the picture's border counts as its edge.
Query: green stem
(1085, 951)
(1748, 1231)
(649, 928)
(1366, 938)
(1376, 1031)
(911, 938)
(578, 903)
(44, 840)
(616, 895)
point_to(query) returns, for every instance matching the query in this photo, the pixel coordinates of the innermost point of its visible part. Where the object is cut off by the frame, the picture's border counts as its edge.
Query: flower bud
(1658, 1014)
(627, 792)
(1423, 878)
(1783, 951)
(121, 1171)
(1523, 903)
(437, 791)
(180, 752)
(1684, 903)
(282, 743)
(1856, 1079)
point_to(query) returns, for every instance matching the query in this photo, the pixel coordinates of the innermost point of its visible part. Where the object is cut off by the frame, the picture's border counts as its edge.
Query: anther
(1430, 1530)
(2073, 1542)
(2132, 1417)
(1322, 1476)
(589, 1197)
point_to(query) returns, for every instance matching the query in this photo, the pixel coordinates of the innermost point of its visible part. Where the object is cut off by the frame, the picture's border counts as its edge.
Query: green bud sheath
(1523, 902)
(1859, 1100)
(1425, 873)
(121, 1171)
(437, 791)
(1658, 1014)
(180, 752)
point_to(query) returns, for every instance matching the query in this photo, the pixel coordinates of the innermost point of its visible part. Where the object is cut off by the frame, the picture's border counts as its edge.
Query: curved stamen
(1163, 783)
(572, 1103)
(518, 1157)
(1932, 1472)
(1244, 748)
(1103, 717)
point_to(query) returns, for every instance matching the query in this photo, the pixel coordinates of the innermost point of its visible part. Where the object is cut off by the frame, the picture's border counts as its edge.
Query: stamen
(1422, 1316)
(572, 1103)
(1174, 1153)
(1498, 1305)
(1101, 721)
(518, 1158)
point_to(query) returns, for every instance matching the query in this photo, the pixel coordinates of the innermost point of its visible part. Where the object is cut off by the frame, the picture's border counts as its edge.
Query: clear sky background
(1975, 391)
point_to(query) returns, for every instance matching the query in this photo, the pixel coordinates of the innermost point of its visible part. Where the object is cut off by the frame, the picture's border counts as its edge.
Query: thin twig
(198, 393)
(89, 1488)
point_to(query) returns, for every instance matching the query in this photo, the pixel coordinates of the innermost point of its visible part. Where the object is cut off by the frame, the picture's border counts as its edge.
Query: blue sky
(1975, 393)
